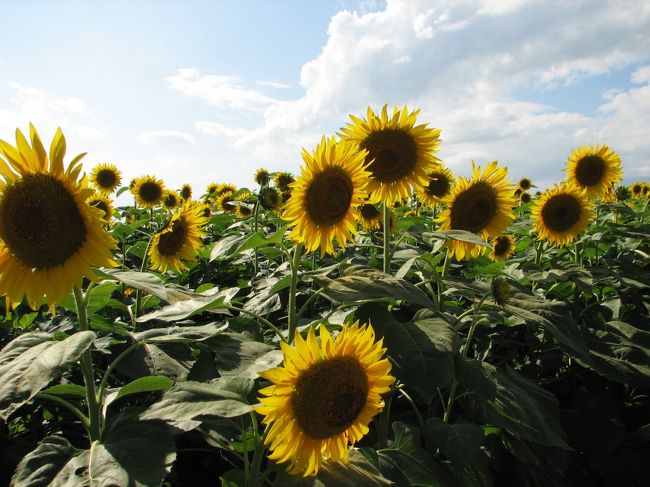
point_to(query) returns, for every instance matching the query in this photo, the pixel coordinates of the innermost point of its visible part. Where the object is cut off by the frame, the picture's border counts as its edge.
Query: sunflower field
(374, 320)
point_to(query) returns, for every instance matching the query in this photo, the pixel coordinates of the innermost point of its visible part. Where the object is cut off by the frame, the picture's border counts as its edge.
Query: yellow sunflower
(179, 240)
(438, 185)
(503, 248)
(170, 199)
(637, 189)
(524, 198)
(525, 184)
(224, 188)
(324, 396)
(370, 217)
(594, 169)
(270, 198)
(212, 189)
(148, 191)
(105, 178)
(49, 237)
(243, 209)
(400, 153)
(482, 205)
(283, 180)
(104, 203)
(186, 192)
(223, 202)
(325, 197)
(262, 177)
(561, 214)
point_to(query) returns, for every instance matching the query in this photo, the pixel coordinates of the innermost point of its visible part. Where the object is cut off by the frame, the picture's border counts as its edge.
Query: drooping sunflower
(104, 203)
(262, 177)
(439, 184)
(503, 247)
(370, 217)
(324, 396)
(482, 205)
(283, 180)
(186, 192)
(105, 178)
(270, 198)
(325, 197)
(49, 237)
(179, 240)
(148, 191)
(400, 153)
(525, 184)
(500, 289)
(561, 214)
(593, 169)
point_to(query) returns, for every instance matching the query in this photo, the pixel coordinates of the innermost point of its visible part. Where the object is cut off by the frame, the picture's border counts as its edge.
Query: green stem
(443, 275)
(386, 239)
(539, 251)
(255, 227)
(263, 321)
(409, 399)
(258, 454)
(111, 367)
(138, 292)
(86, 362)
(62, 402)
(292, 317)
(384, 420)
(310, 300)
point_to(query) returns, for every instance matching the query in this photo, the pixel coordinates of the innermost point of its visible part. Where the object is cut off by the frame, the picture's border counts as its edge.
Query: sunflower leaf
(213, 300)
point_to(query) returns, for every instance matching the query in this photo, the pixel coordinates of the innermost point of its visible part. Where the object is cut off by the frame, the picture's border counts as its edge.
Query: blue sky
(208, 91)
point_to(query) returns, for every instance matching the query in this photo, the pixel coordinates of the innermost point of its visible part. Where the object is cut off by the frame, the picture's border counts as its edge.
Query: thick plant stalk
(292, 316)
(386, 239)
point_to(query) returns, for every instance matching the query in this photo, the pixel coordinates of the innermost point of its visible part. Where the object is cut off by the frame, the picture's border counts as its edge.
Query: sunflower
(105, 178)
(223, 202)
(283, 180)
(561, 214)
(400, 153)
(225, 188)
(49, 237)
(525, 184)
(148, 191)
(104, 203)
(371, 218)
(482, 205)
(524, 198)
(594, 169)
(170, 199)
(439, 184)
(243, 209)
(503, 248)
(270, 198)
(212, 189)
(326, 195)
(186, 192)
(179, 239)
(637, 189)
(500, 289)
(262, 177)
(324, 396)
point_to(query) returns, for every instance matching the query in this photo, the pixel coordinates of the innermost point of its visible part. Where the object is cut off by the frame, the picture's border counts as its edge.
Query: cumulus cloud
(158, 135)
(462, 64)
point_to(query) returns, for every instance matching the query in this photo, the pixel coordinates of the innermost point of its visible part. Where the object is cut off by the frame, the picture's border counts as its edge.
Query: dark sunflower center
(101, 205)
(40, 221)
(393, 154)
(170, 243)
(150, 191)
(369, 212)
(474, 208)
(329, 196)
(590, 170)
(106, 178)
(329, 397)
(170, 201)
(525, 184)
(438, 186)
(186, 192)
(561, 212)
(501, 246)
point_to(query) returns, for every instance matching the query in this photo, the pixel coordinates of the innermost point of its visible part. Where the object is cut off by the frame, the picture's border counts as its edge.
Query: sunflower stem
(258, 454)
(443, 275)
(138, 292)
(539, 251)
(263, 321)
(111, 367)
(383, 423)
(62, 402)
(292, 316)
(255, 227)
(386, 210)
(94, 409)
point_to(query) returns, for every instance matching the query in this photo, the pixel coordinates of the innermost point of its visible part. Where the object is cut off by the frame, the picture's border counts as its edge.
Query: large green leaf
(39, 467)
(224, 397)
(180, 334)
(171, 359)
(460, 442)
(422, 351)
(212, 300)
(237, 354)
(150, 383)
(150, 283)
(359, 282)
(31, 361)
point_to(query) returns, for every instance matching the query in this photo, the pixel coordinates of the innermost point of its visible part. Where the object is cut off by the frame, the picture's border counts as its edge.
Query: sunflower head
(524, 198)
(49, 236)
(323, 397)
(211, 189)
(179, 240)
(186, 192)
(500, 289)
(243, 210)
(105, 178)
(525, 184)
(371, 218)
(400, 153)
(623, 193)
(637, 189)
(439, 184)
(561, 214)
(148, 191)
(325, 197)
(226, 188)
(170, 199)
(593, 169)
(270, 198)
(262, 177)
(104, 203)
(284, 180)
(482, 205)
(223, 202)
(503, 247)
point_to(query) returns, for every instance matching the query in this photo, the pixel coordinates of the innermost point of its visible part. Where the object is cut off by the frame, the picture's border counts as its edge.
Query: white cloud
(218, 129)
(157, 135)
(272, 84)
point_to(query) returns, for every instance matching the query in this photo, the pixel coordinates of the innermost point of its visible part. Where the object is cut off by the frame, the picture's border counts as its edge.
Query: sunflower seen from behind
(561, 214)
(400, 153)
(593, 169)
(481, 205)
(105, 178)
(50, 238)
(179, 240)
(325, 197)
(323, 397)
(148, 191)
